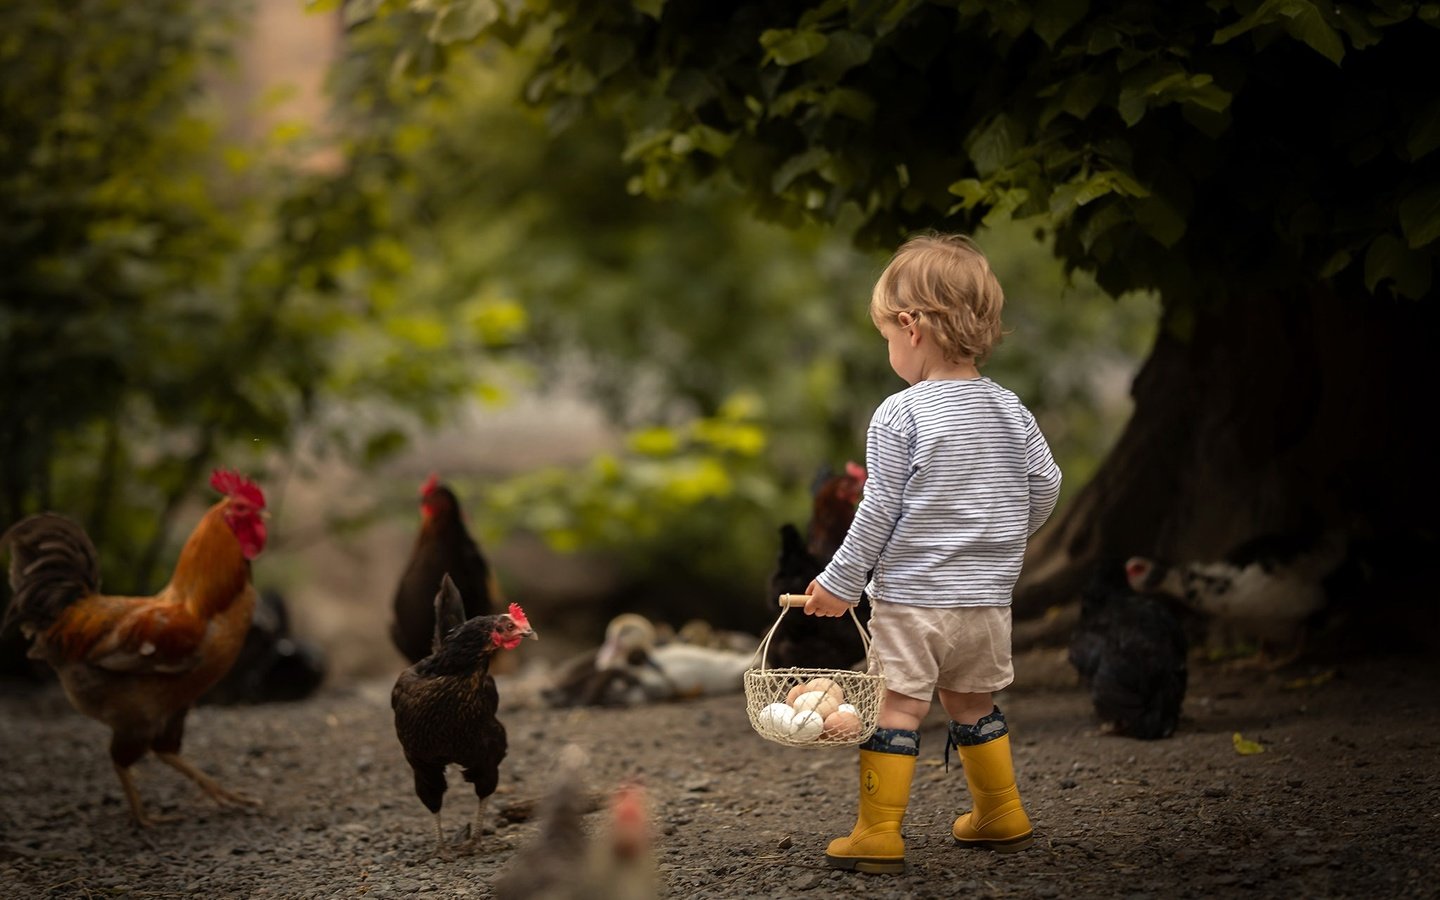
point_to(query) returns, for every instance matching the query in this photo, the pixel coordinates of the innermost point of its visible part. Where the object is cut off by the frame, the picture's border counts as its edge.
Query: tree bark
(1273, 416)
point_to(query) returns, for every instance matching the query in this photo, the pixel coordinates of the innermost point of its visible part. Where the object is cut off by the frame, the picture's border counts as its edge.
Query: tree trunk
(1261, 418)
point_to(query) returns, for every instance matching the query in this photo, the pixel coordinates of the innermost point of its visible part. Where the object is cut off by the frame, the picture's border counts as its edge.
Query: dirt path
(1344, 802)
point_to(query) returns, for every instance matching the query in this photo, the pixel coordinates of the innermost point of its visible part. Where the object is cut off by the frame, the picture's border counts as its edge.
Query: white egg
(807, 726)
(815, 701)
(777, 719)
(845, 707)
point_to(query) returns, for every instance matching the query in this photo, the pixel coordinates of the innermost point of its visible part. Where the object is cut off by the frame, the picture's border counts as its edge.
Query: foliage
(680, 314)
(173, 299)
(1219, 148)
(176, 298)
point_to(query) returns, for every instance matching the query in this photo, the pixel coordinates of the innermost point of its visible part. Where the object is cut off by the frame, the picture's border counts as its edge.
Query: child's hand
(824, 603)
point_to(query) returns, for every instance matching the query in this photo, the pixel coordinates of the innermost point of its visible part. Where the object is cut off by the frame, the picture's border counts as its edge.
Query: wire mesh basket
(813, 708)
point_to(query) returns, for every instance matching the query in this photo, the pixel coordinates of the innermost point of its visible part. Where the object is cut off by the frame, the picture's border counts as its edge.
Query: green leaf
(355, 11)
(1388, 259)
(844, 51)
(651, 8)
(850, 103)
(463, 20)
(655, 441)
(1335, 264)
(644, 142)
(1053, 18)
(1083, 93)
(786, 47)
(1267, 13)
(796, 166)
(1112, 214)
(994, 146)
(1309, 25)
(1301, 19)
(1424, 134)
(711, 140)
(1420, 216)
(1161, 220)
(971, 193)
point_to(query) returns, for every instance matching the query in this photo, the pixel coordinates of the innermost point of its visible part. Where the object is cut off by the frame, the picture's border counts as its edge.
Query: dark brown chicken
(812, 641)
(443, 546)
(445, 704)
(832, 511)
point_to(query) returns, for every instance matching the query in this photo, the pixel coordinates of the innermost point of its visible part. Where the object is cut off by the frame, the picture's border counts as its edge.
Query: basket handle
(790, 601)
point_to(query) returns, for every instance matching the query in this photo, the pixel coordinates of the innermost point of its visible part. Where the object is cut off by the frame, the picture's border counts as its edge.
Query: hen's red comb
(233, 484)
(430, 485)
(518, 615)
(856, 471)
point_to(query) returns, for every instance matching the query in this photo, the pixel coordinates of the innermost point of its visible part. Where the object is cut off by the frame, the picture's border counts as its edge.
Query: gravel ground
(1344, 802)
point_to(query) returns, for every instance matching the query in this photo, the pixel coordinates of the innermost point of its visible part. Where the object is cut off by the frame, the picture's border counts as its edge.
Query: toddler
(959, 478)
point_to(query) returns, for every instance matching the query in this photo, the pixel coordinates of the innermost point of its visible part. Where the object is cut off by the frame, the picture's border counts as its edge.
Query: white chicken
(668, 671)
(1267, 589)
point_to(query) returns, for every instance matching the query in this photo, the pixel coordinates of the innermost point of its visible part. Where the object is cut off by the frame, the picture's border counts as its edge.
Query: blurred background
(210, 265)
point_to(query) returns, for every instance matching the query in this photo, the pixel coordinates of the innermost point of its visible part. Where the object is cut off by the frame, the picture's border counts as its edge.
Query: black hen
(443, 546)
(445, 704)
(1130, 651)
(810, 642)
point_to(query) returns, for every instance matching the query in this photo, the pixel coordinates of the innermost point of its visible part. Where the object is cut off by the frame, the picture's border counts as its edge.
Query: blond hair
(945, 283)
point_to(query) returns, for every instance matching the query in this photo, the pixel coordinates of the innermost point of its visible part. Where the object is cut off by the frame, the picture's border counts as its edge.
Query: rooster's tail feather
(52, 564)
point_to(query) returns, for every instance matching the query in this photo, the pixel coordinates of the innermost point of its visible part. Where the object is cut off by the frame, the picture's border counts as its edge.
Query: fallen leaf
(1298, 684)
(1246, 747)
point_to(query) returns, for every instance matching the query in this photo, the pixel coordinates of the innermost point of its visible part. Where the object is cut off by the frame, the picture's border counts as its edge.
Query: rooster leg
(132, 796)
(220, 795)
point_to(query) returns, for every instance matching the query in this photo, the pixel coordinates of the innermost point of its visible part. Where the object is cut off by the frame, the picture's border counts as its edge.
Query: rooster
(443, 546)
(617, 862)
(445, 704)
(811, 641)
(1131, 652)
(138, 664)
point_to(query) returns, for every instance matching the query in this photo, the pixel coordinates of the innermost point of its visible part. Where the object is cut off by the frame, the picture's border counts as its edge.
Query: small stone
(786, 843)
(808, 881)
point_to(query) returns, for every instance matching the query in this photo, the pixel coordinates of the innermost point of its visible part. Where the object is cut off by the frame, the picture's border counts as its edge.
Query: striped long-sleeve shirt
(959, 478)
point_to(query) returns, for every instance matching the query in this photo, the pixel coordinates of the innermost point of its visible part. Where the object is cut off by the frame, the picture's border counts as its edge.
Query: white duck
(668, 671)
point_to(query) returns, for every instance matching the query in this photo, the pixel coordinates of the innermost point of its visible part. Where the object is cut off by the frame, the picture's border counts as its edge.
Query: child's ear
(911, 323)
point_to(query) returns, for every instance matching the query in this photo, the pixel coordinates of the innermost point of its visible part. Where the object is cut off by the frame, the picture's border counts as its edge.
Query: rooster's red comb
(430, 485)
(233, 484)
(855, 471)
(518, 615)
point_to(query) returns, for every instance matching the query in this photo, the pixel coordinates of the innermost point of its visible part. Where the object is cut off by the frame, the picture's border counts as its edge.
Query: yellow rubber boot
(998, 821)
(875, 844)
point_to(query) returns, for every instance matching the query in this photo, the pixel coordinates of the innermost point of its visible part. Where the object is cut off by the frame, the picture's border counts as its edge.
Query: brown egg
(827, 685)
(841, 726)
(815, 701)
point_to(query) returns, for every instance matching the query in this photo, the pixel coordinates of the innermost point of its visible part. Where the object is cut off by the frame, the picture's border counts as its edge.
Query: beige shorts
(964, 648)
